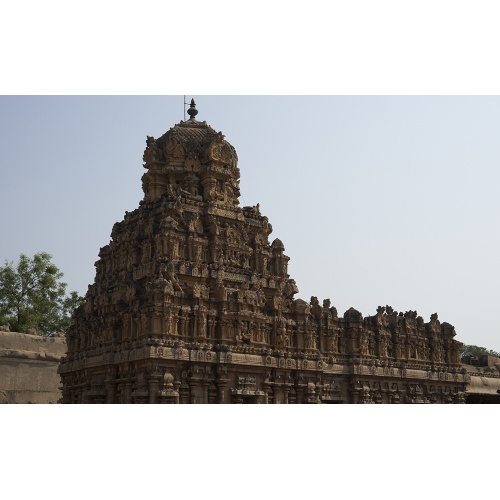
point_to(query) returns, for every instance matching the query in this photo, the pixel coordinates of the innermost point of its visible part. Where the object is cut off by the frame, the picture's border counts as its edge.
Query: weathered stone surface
(484, 379)
(192, 303)
(28, 368)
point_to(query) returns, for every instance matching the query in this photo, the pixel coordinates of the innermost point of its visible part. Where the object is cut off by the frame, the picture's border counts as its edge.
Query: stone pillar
(265, 388)
(192, 385)
(270, 396)
(196, 333)
(110, 392)
(184, 394)
(83, 397)
(211, 328)
(286, 390)
(182, 325)
(300, 395)
(221, 385)
(355, 396)
(127, 393)
(120, 393)
(212, 394)
(153, 386)
(205, 386)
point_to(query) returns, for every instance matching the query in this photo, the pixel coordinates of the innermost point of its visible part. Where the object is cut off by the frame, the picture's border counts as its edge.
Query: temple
(192, 303)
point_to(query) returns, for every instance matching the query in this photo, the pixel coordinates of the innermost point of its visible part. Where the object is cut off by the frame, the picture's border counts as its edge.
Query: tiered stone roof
(193, 303)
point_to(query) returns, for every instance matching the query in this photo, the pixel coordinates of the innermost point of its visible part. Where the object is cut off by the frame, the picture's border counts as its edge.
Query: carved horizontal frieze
(228, 214)
(239, 278)
(241, 358)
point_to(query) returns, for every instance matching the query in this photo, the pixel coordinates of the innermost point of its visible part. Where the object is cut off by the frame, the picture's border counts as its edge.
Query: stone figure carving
(244, 334)
(363, 345)
(283, 336)
(171, 276)
(197, 258)
(333, 343)
(310, 341)
(152, 153)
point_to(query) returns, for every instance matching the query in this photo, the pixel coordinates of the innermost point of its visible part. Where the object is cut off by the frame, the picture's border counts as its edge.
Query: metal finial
(192, 111)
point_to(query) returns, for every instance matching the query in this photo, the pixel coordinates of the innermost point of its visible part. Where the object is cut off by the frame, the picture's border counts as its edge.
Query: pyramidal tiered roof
(193, 303)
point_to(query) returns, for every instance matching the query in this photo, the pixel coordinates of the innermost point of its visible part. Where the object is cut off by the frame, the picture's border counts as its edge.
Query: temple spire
(192, 111)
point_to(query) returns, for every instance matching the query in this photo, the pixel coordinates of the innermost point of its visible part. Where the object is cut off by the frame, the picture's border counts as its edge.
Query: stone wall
(28, 368)
(484, 383)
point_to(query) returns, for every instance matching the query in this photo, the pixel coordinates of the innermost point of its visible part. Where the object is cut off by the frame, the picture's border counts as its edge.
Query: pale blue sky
(378, 200)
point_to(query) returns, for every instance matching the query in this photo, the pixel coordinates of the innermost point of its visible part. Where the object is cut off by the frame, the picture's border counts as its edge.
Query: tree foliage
(32, 295)
(475, 350)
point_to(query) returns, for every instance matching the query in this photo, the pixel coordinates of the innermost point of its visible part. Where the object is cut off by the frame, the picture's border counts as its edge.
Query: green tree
(68, 308)
(32, 295)
(475, 350)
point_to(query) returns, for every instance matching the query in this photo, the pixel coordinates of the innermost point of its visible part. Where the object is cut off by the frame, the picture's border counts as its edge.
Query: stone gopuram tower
(192, 303)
